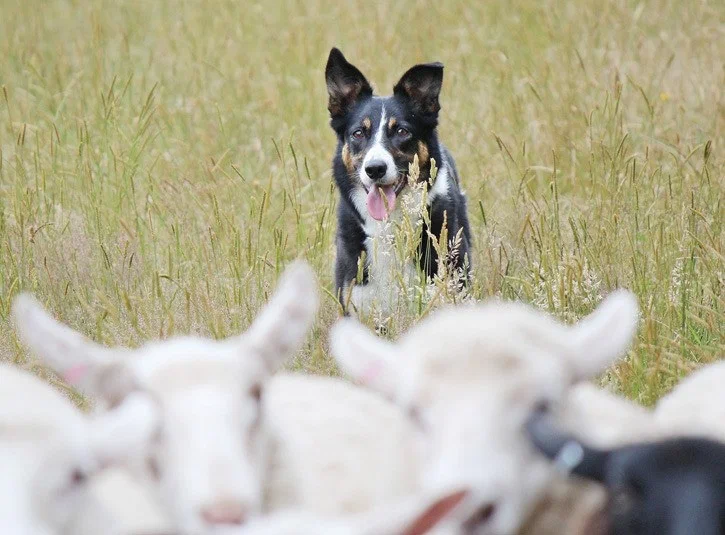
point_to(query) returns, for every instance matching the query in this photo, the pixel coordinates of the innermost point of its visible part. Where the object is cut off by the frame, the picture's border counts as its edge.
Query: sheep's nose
(226, 512)
(376, 169)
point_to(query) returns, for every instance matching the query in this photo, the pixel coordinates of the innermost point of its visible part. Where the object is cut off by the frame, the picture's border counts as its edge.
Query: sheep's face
(471, 376)
(207, 457)
(470, 395)
(49, 451)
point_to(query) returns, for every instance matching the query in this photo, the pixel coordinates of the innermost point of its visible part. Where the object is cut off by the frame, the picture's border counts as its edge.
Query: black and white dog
(378, 137)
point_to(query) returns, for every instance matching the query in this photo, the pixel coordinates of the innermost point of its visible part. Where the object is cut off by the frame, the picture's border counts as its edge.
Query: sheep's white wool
(337, 448)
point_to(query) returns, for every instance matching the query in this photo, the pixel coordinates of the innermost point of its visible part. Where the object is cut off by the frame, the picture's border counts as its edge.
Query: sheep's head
(670, 487)
(49, 450)
(208, 455)
(470, 376)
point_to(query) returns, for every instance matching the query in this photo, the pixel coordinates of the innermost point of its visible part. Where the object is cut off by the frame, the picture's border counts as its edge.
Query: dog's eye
(402, 132)
(357, 134)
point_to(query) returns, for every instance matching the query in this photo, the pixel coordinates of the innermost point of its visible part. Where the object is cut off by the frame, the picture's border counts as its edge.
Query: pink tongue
(376, 202)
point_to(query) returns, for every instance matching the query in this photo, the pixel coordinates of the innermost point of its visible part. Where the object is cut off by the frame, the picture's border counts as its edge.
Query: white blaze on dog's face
(207, 459)
(378, 167)
(470, 376)
(49, 451)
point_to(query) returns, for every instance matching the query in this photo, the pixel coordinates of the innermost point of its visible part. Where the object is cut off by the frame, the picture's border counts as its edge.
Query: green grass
(161, 162)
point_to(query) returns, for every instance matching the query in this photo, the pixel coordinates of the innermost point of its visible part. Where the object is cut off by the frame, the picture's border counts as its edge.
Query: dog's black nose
(376, 169)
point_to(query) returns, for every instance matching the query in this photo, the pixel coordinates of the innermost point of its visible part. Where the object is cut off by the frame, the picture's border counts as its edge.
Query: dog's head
(380, 136)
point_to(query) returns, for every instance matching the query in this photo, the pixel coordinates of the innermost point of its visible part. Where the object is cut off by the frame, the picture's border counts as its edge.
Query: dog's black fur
(411, 116)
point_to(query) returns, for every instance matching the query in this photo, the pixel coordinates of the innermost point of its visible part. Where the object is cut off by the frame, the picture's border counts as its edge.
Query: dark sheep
(670, 487)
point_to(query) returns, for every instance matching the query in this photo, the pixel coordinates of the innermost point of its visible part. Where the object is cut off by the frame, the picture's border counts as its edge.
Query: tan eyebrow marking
(351, 161)
(347, 160)
(367, 124)
(392, 122)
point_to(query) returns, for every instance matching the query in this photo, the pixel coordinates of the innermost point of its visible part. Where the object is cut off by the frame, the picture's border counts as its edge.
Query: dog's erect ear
(421, 85)
(345, 84)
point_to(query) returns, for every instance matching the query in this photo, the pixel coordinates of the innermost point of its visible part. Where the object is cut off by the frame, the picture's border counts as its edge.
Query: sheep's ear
(126, 431)
(366, 358)
(415, 516)
(92, 368)
(282, 326)
(604, 336)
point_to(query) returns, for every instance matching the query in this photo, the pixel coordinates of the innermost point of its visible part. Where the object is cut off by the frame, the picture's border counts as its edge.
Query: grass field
(161, 162)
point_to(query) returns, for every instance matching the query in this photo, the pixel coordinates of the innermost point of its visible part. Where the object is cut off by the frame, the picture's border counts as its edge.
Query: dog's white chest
(386, 270)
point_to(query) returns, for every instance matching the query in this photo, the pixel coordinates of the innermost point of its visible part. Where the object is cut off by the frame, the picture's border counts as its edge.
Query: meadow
(161, 162)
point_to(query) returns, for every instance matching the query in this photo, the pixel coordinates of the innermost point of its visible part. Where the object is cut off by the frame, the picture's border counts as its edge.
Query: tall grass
(162, 161)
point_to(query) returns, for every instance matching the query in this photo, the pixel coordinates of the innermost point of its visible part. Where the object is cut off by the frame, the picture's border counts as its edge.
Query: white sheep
(50, 453)
(470, 376)
(334, 447)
